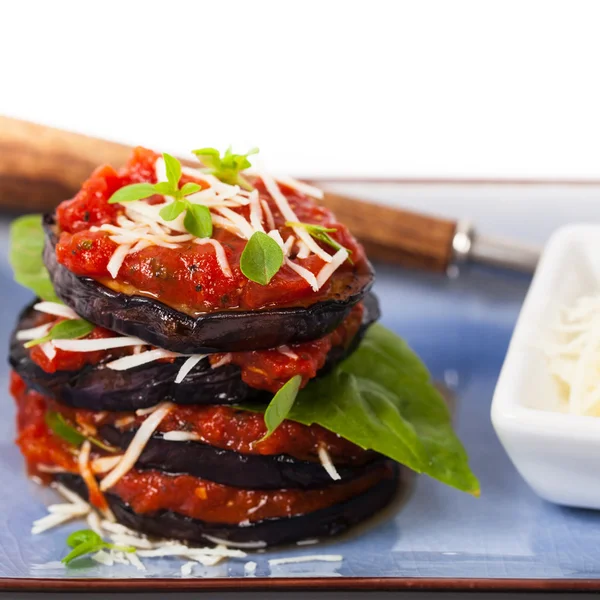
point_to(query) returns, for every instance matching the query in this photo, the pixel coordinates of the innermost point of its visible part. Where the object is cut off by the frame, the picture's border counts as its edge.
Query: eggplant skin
(165, 327)
(326, 522)
(249, 471)
(97, 388)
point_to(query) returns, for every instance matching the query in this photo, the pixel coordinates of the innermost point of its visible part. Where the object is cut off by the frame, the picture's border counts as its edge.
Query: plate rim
(249, 584)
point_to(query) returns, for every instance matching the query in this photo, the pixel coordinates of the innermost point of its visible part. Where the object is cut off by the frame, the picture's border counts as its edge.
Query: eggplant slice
(249, 471)
(225, 331)
(321, 523)
(95, 387)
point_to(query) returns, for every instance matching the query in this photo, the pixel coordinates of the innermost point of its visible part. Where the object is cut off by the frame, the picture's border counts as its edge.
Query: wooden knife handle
(41, 166)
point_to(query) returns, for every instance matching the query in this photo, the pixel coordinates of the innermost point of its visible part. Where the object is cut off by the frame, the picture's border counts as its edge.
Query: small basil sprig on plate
(86, 541)
(321, 234)
(71, 329)
(226, 168)
(281, 405)
(26, 246)
(57, 423)
(197, 219)
(261, 259)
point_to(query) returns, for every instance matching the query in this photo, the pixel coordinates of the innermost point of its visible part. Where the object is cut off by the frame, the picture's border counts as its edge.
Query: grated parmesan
(94, 345)
(136, 447)
(56, 309)
(328, 464)
(180, 436)
(136, 360)
(574, 356)
(187, 366)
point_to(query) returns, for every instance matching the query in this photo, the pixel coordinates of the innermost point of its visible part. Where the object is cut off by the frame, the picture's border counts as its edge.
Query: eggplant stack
(200, 362)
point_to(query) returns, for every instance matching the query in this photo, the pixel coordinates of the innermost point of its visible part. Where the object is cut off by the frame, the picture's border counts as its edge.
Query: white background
(324, 87)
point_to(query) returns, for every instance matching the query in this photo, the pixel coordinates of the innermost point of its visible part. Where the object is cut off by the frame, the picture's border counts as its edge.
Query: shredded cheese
(136, 360)
(90, 481)
(256, 212)
(180, 436)
(288, 352)
(339, 258)
(220, 254)
(286, 210)
(230, 544)
(224, 360)
(116, 260)
(34, 333)
(105, 463)
(56, 309)
(574, 356)
(136, 447)
(187, 366)
(49, 349)
(97, 344)
(268, 214)
(307, 275)
(328, 464)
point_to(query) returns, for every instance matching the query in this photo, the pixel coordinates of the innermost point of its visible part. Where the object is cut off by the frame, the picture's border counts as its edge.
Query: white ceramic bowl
(558, 454)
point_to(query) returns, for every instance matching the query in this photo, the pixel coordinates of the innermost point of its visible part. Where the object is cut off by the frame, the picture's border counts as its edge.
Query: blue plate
(436, 537)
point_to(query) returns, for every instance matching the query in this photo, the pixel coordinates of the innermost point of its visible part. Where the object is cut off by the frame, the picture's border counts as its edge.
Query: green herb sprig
(321, 234)
(57, 423)
(86, 541)
(26, 246)
(261, 259)
(281, 405)
(226, 168)
(197, 218)
(71, 329)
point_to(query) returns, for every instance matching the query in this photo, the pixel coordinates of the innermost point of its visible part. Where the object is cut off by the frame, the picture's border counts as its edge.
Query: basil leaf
(210, 157)
(381, 398)
(190, 188)
(198, 221)
(228, 167)
(57, 424)
(65, 330)
(26, 246)
(165, 188)
(173, 167)
(172, 211)
(281, 404)
(129, 193)
(322, 235)
(82, 536)
(86, 541)
(261, 259)
(82, 549)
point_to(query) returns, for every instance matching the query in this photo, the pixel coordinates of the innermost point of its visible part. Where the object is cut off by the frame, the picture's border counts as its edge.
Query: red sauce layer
(219, 426)
(189, 278)
(151, 491)
(260, 369)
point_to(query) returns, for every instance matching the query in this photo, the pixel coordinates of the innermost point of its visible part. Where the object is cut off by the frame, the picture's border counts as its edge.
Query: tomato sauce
(189, 278)
(260, 369)
(151, 491)
(271, 369)
(220, 426)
